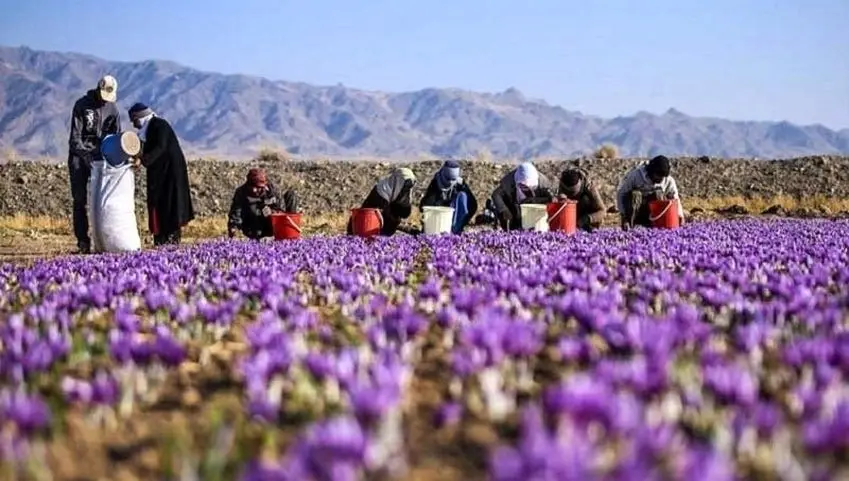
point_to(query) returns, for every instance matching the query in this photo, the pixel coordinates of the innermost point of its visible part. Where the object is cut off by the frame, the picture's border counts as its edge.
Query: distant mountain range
(238, 115)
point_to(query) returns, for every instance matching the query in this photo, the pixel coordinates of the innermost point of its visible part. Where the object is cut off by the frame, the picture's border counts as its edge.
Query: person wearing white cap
(522, 185)
(95, 115)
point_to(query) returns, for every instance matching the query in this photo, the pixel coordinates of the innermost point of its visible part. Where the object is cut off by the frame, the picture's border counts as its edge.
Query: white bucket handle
(379, 217)
(551, 219)
(292, 223)
(663, 213)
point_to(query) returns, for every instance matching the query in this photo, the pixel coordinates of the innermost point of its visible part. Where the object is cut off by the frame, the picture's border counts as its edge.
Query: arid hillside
(332, 187)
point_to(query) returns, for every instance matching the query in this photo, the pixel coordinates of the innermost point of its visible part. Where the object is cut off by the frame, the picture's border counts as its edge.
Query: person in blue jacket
(447, 189)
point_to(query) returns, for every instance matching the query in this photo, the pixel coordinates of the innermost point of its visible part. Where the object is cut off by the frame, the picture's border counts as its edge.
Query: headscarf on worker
(447, 189)
(253, 204)
(523, 185)
(526, 175)
(393, 196)
(140, 116)
(642, 184)
(391, 187)
(576, 185)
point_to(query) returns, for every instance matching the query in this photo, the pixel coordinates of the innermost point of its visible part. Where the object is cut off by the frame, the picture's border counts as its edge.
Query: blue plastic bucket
(118, 148)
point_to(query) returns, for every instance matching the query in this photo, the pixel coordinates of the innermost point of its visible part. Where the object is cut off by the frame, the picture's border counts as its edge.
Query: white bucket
(437, 220)
(535, 217)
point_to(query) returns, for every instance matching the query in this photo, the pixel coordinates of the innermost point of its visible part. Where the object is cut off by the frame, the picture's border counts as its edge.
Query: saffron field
(717, 351)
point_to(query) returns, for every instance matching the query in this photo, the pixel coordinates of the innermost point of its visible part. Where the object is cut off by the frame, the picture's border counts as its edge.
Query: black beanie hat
(139, 111)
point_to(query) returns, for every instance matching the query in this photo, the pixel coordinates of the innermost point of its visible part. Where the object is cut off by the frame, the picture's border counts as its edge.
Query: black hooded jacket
(91, 120)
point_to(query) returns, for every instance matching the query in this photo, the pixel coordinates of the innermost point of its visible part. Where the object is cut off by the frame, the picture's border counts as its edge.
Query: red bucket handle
(663, 212)
(551, 219)
(292, 223)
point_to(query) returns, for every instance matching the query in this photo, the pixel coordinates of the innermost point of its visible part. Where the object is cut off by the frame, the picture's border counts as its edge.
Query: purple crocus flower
(28, 413)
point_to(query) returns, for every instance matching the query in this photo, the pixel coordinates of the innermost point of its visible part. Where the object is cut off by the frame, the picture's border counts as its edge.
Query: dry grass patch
(49, 232)
(757, 205)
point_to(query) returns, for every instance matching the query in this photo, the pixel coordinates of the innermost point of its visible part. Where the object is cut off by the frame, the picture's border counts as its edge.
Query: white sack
(112, 208)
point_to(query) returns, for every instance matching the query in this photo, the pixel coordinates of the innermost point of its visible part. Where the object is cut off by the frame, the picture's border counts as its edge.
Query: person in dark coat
(95, 115)
(447, 189)
(169, 199)
(522, 185)
(576, 185)
(393, 196)
(254, 202)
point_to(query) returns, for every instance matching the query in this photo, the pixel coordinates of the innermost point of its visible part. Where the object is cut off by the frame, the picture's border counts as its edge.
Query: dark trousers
(637, 208)
(167, 238)
(258, 228)
(510, 218)
(80, 173)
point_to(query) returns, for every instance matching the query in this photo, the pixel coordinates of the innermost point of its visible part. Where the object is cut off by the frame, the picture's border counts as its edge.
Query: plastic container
(663, 214)
(563, 216)
(285, 225)
(366, 222)
(117, 149)
(437, 220)
(535, 217)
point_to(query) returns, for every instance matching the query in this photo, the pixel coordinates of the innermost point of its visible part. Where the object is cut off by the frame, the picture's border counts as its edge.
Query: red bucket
(285, 225)
(563, 216)
(366, 222)
(663, 214)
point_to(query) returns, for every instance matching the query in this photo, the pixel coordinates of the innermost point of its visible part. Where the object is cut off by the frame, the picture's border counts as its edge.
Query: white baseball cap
(108, 88)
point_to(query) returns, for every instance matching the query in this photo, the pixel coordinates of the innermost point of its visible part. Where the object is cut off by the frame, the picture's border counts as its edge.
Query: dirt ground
(331, 187)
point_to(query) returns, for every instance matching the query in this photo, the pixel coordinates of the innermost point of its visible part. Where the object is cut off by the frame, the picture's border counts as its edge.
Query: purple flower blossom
(28, 413)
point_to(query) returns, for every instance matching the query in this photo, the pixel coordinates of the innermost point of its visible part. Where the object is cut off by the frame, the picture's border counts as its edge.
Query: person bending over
(642, 184)
(522, 185)
(169, 195)
(393, 196)
(254, 202)
(447, 189)
(576, 185)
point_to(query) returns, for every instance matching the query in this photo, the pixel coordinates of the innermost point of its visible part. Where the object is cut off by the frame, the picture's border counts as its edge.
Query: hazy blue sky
(741, 59)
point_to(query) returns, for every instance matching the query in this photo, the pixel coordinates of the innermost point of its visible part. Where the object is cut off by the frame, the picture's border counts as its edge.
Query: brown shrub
(606, 152)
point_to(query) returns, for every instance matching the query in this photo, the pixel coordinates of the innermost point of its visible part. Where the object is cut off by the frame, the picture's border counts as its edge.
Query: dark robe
(169, 200)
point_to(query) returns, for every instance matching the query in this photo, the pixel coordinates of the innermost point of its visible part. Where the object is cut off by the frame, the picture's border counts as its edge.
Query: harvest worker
(643, 184)
(576, 185)
(169, 199)
(393, 196)
(95, 115)
(254, 202)
(522, 185)
(447, 189)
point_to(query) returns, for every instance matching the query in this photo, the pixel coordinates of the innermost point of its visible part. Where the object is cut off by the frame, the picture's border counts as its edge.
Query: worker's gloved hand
(231, 233)
(266, 211)
(625, 223)
(135, 162)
